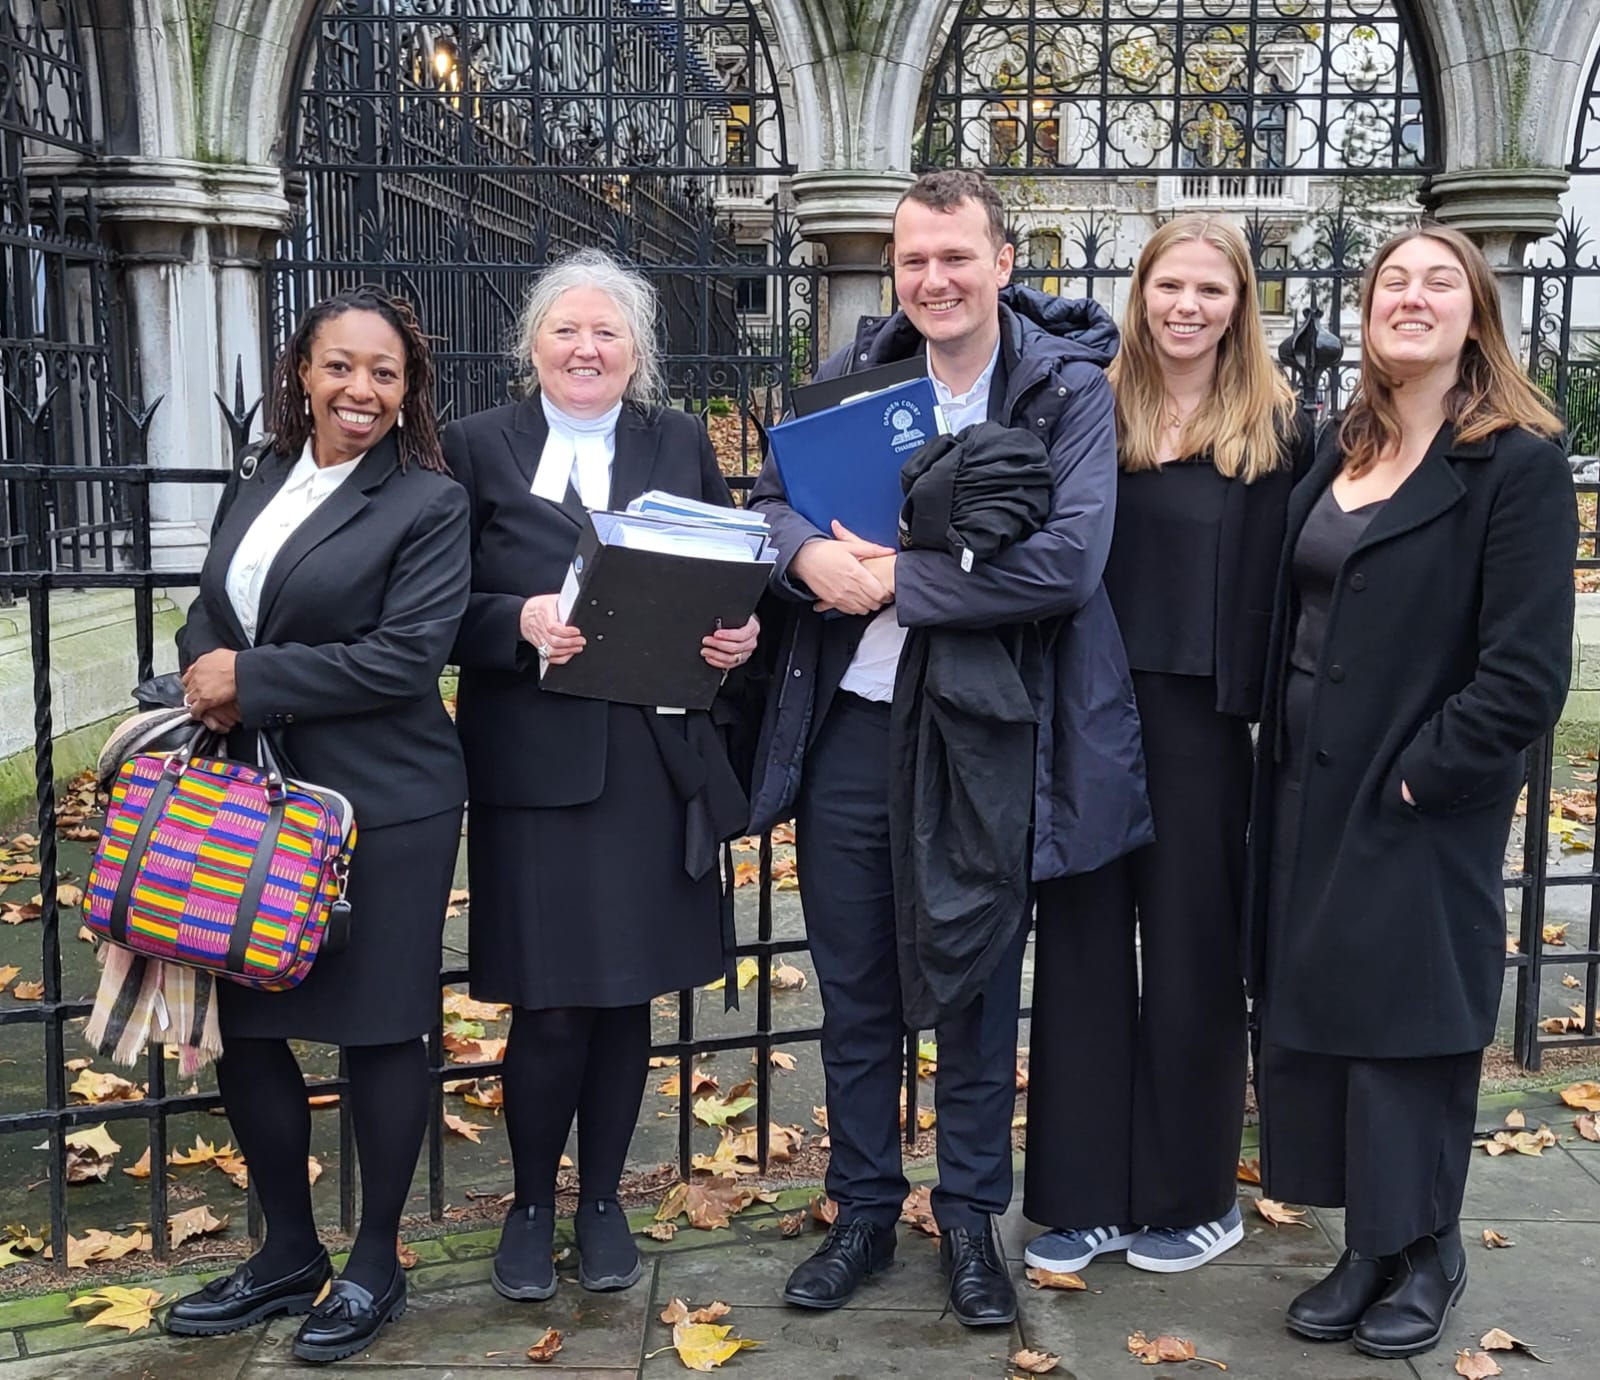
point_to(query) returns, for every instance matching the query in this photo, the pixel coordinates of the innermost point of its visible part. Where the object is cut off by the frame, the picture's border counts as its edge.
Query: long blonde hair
(1491, 393)
(1251, 407)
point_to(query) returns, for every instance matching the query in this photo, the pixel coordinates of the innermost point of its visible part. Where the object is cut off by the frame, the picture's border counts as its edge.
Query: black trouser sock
(265, 1095)
(389, 1109)
(565, 1061)
(608, 1104)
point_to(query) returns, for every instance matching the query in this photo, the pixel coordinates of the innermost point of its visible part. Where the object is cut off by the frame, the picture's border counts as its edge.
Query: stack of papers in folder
(645, 586)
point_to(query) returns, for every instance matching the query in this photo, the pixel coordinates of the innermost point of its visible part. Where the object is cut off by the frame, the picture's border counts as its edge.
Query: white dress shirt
(579, 450)
(871, 671)
(303, 492)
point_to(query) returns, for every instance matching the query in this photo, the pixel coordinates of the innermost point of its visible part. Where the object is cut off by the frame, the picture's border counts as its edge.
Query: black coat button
(1358, 582)
(1336, 674)
(1323, 757)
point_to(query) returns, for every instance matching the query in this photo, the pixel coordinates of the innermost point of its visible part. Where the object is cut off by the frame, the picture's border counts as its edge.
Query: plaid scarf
(142, 998)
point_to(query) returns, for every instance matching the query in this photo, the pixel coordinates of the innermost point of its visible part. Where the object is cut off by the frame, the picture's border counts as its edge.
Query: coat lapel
(634, 458)
(1429, 490)
(335, 511)
(250, 497)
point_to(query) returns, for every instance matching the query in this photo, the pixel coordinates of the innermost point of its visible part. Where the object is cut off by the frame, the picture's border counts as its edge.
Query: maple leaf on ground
(824, 1210)
(235, 1168)
(699, 1082)
(779, 1059)
(791, 1224)
(313, 1168)
(195, 1221)
(546, 1347)
(464, 1008)
(787, 978)
(471, 1130)
(104, 1087)
(661, 1231)
(488, 1093)
(407, 1257)
(1495, 1241)
(1587, 1126)
(1166, 1348)
(1498, 1339)
(715, 1111)
(204, 1152)
(1281, 1216)
(1477, 1365)
(1052, 1279)
(1584, 1096)
(1567, 980)
(1035, 1362)
(7, 973)
(132, 1310)
(705, 1346)
(1249, 1172)
(28, 991)
(918, 1211)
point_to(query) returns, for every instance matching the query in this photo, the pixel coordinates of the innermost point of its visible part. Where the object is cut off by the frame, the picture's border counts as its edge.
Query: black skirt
(383, 987)
(590, 905)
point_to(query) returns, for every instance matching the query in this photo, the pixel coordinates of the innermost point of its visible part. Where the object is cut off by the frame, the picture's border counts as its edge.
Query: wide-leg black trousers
(1138, 1053)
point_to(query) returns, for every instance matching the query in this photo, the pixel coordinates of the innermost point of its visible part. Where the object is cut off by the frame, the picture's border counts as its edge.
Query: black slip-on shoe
(1330, 1309)
(1410, 1315)
(608, 1257)
(349, 1319)
(524, 1266)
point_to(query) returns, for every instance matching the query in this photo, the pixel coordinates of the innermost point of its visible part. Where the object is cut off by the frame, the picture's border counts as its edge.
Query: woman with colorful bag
(337, 575)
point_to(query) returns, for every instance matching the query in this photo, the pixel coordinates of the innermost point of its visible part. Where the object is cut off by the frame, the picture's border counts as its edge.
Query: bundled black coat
(1448, 652)
(962, 729)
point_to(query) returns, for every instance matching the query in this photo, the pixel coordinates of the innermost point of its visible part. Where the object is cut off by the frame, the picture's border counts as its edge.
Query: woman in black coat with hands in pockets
(591, 840)
(328, 603)
(1422, 644)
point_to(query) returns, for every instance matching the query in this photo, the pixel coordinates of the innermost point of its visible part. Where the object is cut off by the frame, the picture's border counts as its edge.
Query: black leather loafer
(1330, 1309)
(241, 1300)
(349, 1319)
(849, 1253)
(1409, 1317)
(981, 1293)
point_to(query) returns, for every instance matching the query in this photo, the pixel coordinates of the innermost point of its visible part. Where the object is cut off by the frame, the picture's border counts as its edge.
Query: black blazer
(1448, 652)
(1248, 545)
(357, 616)
(526, 746)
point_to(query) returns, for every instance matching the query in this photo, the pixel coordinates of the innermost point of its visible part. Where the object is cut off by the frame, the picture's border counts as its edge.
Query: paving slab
(1233, 1314)
(154, 1357)
(851, 1344)
(273, 1370)
(1544, 1290)
(452, 1328)
(1552, 1187)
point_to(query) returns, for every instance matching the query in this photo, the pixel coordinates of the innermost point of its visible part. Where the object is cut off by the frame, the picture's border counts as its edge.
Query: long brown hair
(1250, 409)
(291, 418)
(1491, 393)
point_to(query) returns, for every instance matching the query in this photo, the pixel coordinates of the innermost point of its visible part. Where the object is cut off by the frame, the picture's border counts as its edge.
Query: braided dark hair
(290, 422)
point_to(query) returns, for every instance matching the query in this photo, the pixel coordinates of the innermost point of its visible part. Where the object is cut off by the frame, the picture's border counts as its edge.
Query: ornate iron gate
(1310, 122)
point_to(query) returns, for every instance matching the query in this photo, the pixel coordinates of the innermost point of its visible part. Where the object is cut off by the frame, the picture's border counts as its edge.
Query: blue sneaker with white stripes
(1067, 1250)
(1171, 1250)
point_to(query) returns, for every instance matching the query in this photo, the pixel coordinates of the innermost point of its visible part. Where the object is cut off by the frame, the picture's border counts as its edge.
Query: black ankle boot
(608, 1258)
(981, 1294)
(1409, 1317)
(524, 1262)
(1330, 1309)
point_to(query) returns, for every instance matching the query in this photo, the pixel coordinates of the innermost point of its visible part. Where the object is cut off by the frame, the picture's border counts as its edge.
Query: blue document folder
(845, 462)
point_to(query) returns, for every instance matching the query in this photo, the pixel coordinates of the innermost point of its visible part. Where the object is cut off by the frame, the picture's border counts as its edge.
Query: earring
(307, 402)
(400, 421)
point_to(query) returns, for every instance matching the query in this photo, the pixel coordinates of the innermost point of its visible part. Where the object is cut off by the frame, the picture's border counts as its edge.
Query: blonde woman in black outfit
(1422, 642)
(1144, 953)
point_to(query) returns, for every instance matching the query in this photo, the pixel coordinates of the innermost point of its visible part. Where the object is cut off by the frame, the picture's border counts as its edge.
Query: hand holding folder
(645, 588)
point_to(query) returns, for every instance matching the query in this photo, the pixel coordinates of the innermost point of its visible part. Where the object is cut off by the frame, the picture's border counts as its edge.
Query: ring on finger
(544, 650)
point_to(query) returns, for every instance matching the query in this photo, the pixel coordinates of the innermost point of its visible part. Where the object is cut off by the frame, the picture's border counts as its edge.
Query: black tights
(562, 1060)
(265, 1095)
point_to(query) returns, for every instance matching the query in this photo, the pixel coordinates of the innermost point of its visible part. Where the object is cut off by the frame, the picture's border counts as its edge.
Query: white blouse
(303, 492)
(579, 449)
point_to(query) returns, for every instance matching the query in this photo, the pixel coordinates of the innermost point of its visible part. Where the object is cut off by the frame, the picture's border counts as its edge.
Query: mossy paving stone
(102, 1354)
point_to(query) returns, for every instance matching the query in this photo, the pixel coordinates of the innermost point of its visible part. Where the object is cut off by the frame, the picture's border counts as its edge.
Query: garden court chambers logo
(902, 415)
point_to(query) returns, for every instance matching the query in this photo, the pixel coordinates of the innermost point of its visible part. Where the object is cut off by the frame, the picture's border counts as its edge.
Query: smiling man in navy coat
(1035, 363)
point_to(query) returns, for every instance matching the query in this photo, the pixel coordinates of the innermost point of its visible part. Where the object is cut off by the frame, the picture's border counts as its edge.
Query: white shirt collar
(558, 420)
(318, 482)
(980, 385)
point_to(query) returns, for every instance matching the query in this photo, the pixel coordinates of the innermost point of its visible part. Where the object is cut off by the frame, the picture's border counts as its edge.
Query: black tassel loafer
(241, 1300)
(349, 1319)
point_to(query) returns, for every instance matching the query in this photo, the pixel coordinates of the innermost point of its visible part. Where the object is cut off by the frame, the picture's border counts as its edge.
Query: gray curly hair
(636, 301)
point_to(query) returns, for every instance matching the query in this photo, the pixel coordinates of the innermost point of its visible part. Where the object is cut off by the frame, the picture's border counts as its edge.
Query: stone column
(193, 239)
(1505, 210)
(851, 214)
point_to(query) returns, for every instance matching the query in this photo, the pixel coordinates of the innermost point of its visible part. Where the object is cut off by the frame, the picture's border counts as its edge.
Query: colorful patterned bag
(222, 866)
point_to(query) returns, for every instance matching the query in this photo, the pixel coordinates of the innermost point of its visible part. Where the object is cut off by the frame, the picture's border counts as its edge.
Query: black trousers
(1136, 1088)
(1388, 1140)
(847, 890)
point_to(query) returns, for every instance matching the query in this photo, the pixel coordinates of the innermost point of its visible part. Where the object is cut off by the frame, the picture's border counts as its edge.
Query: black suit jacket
(526, 746)
(1448, 652)
(357, 617)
